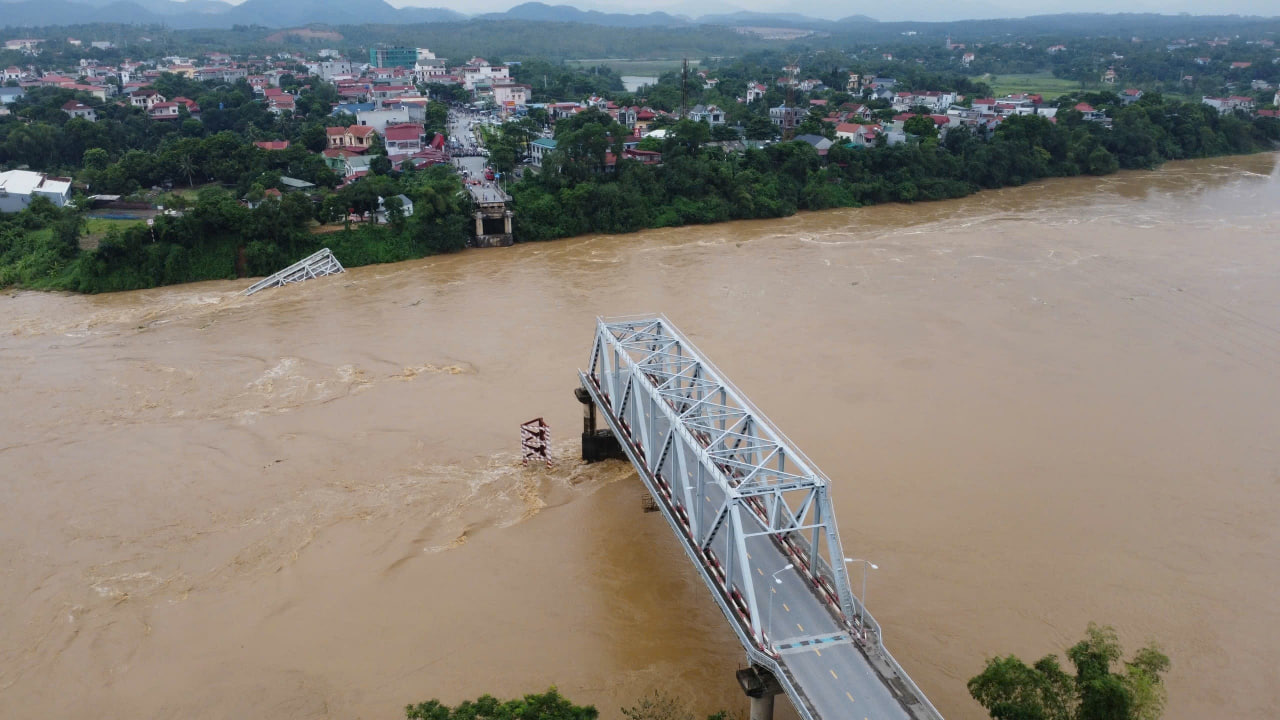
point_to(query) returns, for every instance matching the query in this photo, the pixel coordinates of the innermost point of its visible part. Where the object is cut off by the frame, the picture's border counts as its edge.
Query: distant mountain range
(292, 13)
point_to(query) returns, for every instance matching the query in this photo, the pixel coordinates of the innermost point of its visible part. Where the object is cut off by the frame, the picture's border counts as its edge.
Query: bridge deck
(742, 499)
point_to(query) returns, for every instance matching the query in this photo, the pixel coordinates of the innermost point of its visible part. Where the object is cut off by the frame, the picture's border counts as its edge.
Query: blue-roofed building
(353, 108)
(540, 148)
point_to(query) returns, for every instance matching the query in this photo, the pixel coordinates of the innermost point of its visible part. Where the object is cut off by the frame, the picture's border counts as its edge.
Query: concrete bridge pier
(761, 687)
(597, 444)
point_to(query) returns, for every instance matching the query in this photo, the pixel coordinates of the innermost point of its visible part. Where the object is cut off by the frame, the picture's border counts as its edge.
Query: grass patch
(623, 66)
(100, 226)
(1042, 83)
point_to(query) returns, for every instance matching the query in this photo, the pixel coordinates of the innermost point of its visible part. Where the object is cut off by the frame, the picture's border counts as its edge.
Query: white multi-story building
(487, 74)
(19, 187)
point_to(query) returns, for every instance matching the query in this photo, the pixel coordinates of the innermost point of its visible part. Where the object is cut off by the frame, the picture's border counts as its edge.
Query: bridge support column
(506, 225)
(596, 444)
(761, 687)
(479, 225)
(762, 707)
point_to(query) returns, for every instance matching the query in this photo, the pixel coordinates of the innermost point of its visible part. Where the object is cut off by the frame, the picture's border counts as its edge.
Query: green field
(100, 226)
(1042, 83)
(623, 66)
(96, 229)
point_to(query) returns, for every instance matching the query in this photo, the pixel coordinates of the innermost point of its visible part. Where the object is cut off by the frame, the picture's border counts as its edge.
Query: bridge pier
(761, 687)
(597, 444)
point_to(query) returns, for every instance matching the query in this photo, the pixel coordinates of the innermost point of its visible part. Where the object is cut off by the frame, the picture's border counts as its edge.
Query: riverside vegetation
(213, 235)
(1008, 688)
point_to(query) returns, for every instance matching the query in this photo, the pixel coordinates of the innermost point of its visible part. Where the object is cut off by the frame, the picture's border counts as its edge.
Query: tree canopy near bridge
(1011, 690)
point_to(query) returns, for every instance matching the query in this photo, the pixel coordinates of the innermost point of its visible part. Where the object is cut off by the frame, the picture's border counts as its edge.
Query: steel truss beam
(692, 429)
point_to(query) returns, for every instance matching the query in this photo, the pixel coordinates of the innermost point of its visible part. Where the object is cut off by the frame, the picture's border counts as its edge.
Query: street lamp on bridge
(768, 622)
(862, 604)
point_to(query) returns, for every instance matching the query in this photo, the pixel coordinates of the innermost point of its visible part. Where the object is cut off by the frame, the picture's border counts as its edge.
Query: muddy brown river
(1039, 406)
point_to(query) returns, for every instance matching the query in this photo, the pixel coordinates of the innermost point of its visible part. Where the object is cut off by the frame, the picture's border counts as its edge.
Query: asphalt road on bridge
(833, 675)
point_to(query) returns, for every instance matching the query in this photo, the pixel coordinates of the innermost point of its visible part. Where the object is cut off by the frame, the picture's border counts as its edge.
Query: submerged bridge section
(755, 517)
(315, 265)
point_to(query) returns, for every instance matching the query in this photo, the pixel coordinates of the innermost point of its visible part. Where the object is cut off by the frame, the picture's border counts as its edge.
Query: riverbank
(218, 239)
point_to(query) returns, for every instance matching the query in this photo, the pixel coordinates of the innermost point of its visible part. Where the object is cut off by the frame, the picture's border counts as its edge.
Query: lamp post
(862, 604)
(768, 622)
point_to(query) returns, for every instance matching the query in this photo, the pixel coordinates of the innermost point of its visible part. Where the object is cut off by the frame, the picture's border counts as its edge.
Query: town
(482, 151)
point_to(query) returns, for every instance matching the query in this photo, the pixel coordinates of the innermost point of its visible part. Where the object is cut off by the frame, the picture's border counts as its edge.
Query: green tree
(1010, 690)
(550, 705)
(921, 126)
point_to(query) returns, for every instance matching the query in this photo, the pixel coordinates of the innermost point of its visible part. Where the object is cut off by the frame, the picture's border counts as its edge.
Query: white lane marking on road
(784, 607)
(849, 696)
(800, 626)
(760, 571)
(833, 674)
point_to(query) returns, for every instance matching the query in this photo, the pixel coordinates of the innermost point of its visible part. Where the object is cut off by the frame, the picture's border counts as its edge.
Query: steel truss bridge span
(755, 517)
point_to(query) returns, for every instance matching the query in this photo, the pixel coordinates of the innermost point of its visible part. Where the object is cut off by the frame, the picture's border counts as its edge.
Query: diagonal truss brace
(724, 471)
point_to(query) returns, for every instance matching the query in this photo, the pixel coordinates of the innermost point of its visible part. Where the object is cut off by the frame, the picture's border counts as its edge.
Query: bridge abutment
(761, 688)
(597, 444)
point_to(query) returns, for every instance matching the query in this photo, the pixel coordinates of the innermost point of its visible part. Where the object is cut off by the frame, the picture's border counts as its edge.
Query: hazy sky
(881, 10)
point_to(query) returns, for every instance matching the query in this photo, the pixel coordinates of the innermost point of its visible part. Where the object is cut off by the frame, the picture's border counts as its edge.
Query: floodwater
(1039, 406)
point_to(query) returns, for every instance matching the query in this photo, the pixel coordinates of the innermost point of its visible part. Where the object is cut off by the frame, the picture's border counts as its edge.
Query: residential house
(77, 109)
(709, 114)
(282, 104)
(966, 59)
(101, 92)
(404, 138)
(355, 137)
(539, 149)
(935, 100)
(486, 74)
(11, 95)
(13, 72)
(511, 95)
(273, 144)
(146, 98)
(384, 94)
(1109, 77)
(29, 46)
(644, 157)
(406, 208)
(164, 111)
(268, 194)
(865, 136)
(785, 117)
(1130, 96)
(19, 187)
(328, 70)
(381, 118)
(430, 69)
(1229, 104)
(755, 91)
(1092, 115)
(849, 131)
